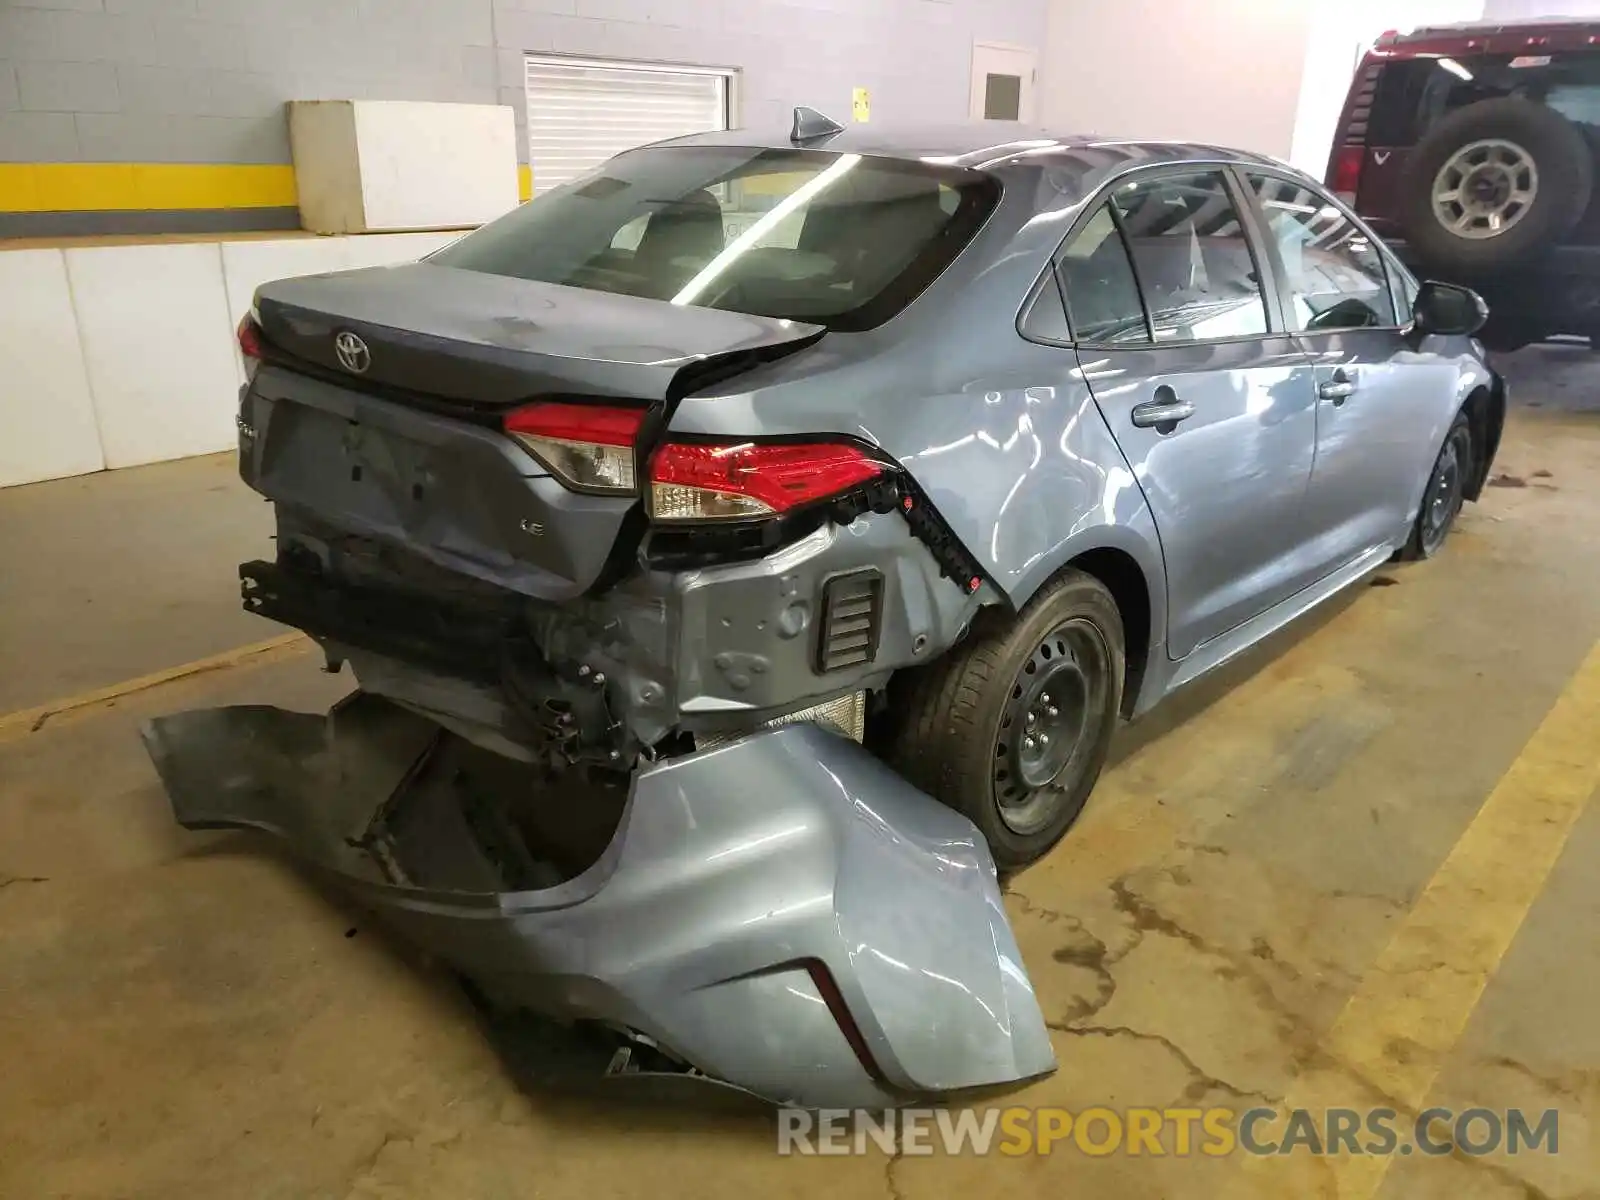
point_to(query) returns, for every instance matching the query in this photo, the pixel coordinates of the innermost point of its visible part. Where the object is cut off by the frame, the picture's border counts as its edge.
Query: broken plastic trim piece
(696, 545)
(845, 715)
(729, 873)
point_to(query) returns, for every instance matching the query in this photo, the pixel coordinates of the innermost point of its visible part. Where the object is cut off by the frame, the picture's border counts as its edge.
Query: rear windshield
(1414, 94)
(841, 240)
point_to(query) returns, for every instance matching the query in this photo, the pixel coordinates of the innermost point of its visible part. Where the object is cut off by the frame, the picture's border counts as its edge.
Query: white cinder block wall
(205, 81)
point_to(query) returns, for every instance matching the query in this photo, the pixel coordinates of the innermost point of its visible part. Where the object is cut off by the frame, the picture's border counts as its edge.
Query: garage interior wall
(1225, 71)
(157, 85)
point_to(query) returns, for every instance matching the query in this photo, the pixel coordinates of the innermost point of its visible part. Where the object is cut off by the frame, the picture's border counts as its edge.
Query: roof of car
(985, 144)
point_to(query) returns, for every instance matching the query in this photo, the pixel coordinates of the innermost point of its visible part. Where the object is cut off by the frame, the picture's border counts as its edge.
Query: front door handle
(1338, 389)
(1168, 410)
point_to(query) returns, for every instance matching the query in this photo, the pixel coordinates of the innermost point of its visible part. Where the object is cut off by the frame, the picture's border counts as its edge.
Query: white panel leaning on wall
(47, 421)
(114, 356)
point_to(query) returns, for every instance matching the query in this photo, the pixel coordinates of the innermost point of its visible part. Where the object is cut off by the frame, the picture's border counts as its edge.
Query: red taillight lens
(250, 338)
(1347, 172)
(586, 446)
(691, 482)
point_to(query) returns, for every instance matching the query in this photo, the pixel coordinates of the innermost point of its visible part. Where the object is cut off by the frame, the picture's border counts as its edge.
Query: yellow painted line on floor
(31, 720)
(1412, 1005)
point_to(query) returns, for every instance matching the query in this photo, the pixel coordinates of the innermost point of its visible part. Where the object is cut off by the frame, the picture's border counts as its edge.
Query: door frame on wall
(1003, 58)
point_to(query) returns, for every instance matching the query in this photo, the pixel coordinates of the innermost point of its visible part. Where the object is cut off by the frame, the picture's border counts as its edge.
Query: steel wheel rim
(1051, 724)
(1485, 189)
(1444, 497)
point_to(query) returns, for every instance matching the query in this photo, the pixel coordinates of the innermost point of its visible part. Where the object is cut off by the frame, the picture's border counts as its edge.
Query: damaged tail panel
(780, 913)
(404, 434)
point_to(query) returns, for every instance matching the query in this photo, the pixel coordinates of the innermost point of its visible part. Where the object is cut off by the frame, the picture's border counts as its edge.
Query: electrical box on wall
(382, 166)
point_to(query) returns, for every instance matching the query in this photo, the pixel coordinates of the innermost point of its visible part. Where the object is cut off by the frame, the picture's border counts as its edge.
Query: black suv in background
(1471, 149)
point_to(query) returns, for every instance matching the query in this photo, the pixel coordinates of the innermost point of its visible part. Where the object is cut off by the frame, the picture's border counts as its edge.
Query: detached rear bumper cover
(738, 884)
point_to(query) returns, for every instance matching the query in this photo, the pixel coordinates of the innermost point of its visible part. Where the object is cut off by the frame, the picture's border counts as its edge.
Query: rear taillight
(1347, 172)
(690, 482)
(587, 446)
(250, 343)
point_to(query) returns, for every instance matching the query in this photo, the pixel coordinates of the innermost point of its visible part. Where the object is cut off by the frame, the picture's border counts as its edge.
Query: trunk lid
(492, 341)
(407, 451)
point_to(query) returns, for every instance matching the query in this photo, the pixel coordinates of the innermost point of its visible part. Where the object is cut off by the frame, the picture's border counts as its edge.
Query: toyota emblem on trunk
(353, 353)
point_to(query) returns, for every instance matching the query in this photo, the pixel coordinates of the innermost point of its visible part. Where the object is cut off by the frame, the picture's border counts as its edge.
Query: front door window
(1334, 271)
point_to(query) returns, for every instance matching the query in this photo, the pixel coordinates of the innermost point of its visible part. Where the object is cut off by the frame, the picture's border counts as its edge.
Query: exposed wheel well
(1485, 415)
(1125, 581)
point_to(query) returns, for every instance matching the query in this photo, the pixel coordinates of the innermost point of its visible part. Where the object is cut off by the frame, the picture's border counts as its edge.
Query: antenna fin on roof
(810, 125)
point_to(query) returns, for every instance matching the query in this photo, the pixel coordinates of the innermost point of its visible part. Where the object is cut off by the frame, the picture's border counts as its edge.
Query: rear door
(1211, 402)
(1380, 403)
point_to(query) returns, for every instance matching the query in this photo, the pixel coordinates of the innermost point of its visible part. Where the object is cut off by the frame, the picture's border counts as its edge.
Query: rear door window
(1192, 257)
(1097, 278)
(843, 240)
(1333, 270)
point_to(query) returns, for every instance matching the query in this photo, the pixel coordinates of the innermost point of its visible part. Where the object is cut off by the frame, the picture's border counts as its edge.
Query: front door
(1213, 408)
(1003, 80)
(1379, 417)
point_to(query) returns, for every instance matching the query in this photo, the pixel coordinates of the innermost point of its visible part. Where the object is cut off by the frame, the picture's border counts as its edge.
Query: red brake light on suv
(731, 482)
(1347, 172)
(589, 447)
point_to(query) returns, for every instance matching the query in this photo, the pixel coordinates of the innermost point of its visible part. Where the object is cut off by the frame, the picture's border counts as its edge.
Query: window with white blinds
(581, 112)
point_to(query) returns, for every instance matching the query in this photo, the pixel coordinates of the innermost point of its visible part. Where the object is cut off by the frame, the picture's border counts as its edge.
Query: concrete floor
(188, 1015)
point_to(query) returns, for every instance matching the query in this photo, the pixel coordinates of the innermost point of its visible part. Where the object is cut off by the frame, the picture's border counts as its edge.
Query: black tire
(1560, 154)
(956, 727)
(1445, 493)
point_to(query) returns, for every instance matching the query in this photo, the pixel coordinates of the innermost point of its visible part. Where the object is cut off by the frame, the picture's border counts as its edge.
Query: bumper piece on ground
(781, 913)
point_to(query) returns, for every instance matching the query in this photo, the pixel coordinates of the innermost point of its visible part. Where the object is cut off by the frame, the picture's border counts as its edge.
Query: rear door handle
(1167, 411)
(1338, 389)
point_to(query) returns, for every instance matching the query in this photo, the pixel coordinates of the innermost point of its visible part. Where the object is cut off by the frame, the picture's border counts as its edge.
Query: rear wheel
(1447, 487)
(1011, 728)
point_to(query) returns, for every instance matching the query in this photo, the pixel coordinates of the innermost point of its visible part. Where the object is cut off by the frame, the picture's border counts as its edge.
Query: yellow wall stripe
(81, 187)
(76, 187)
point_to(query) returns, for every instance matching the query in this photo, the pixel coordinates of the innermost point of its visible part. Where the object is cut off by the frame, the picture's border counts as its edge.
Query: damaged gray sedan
(743, 549)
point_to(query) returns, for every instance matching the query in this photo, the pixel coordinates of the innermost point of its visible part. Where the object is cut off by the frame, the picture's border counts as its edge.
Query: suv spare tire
(1459, 192)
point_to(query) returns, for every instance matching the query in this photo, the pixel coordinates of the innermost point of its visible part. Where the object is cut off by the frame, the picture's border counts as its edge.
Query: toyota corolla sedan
(744, 548)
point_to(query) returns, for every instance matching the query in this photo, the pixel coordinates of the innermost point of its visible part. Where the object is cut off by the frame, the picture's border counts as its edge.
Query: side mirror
(1447, 310)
